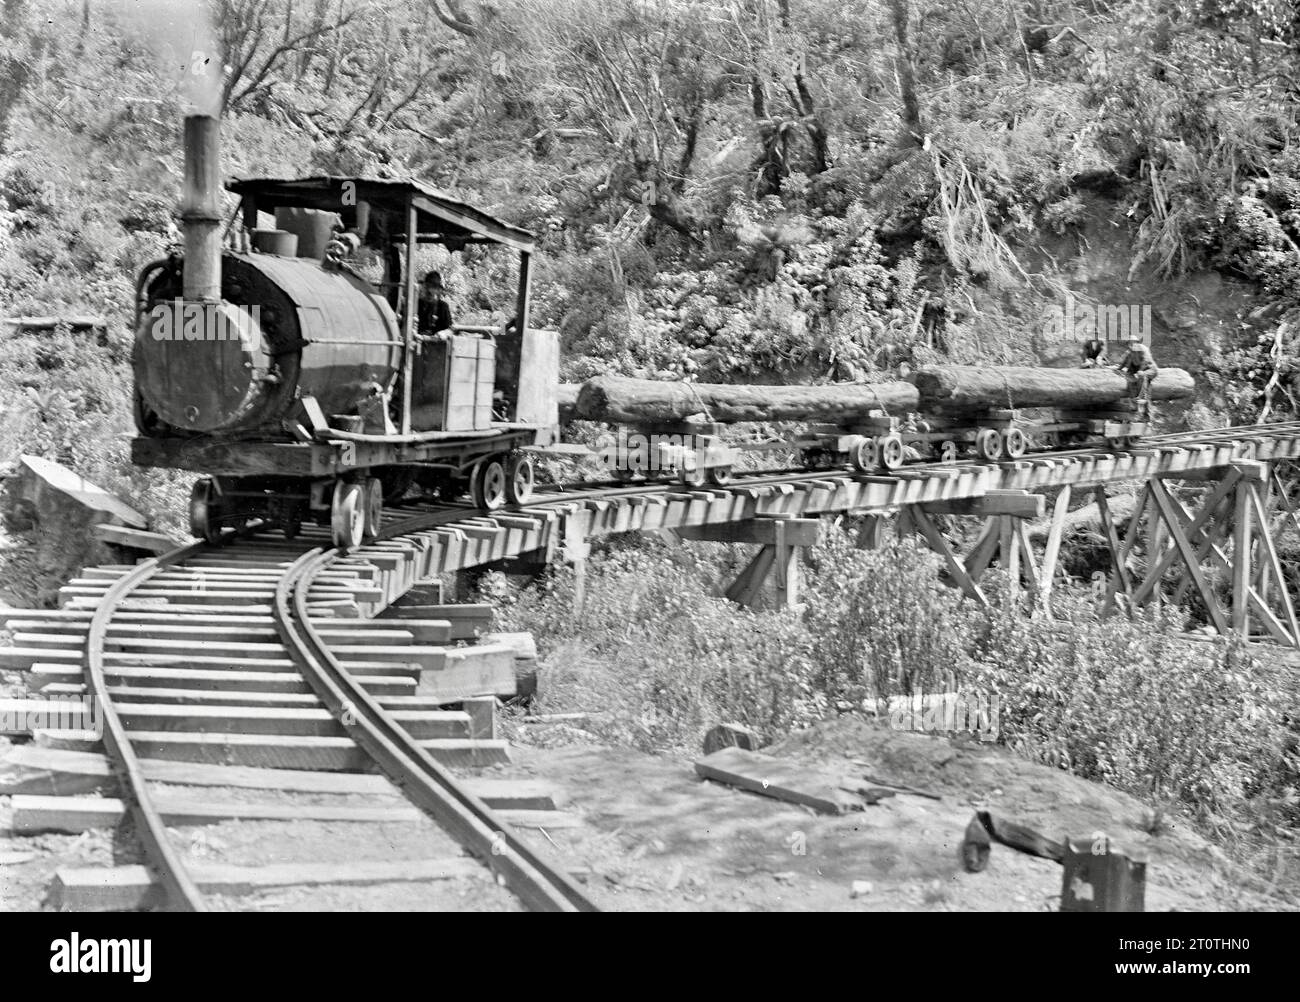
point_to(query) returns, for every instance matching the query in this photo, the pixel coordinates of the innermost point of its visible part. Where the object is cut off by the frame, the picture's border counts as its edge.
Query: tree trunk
(978, 386)
(906, 75)
(647, 401)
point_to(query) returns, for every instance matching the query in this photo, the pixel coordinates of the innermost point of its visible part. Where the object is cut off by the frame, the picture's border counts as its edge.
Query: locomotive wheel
(890, 449)
(348, 515)
(520, 477)
(374, 489)
(491, 480)
(865, 455)
(988, 444)
(720, 475)
(1016, 443)
(205, 512)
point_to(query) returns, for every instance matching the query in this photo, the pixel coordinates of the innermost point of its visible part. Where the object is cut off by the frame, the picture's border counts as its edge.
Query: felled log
(978, 386)
(649, 401)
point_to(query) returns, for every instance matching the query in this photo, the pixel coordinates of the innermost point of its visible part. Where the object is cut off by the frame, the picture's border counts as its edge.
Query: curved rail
(427, 783)
(181, 893)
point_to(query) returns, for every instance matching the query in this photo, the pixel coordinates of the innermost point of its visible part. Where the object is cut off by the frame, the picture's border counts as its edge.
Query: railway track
(252, 666)
(236, 659)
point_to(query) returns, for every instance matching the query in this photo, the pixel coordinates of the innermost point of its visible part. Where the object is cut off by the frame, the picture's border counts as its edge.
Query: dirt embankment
(657, 837)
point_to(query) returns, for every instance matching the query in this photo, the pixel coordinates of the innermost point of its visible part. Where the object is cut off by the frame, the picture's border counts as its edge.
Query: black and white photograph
(651, 456)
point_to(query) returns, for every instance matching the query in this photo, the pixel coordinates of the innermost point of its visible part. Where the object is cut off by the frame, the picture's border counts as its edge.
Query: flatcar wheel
(205, 512)
(865, 455)
(374, 488)
(348, 515)
(520, 477)
(693, 477)
(491, 481)
(890, 448)
(988, 444)
(720, 475)
(1016, 443)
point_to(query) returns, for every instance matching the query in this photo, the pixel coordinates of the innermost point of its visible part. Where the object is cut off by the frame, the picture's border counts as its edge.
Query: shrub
(882, 623)
(660, 655)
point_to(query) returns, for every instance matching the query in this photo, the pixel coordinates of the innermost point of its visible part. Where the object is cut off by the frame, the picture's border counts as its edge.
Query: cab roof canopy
(439, 216)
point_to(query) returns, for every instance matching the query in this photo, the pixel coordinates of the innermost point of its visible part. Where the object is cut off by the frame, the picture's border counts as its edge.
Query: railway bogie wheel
(491, 481)
(205, 512)
(348, 515)
(988, 443)
(693, 477)
(890, 449)
(374, 488)
(1017, 444)
(520, 478)
(720, 475)
(475, 484)
(864, 454)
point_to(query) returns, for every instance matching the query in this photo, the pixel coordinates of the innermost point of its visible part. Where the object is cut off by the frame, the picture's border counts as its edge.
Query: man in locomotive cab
(433, 314)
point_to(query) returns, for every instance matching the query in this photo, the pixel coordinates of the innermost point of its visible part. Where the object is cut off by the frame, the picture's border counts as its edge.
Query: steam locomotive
(302, 389)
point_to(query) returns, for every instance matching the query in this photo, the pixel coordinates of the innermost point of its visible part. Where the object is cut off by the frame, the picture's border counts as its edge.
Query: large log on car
(649, 401)
(971, 386)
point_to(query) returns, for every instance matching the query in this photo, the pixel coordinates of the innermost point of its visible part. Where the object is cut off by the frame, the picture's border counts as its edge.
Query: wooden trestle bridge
(1232, 530)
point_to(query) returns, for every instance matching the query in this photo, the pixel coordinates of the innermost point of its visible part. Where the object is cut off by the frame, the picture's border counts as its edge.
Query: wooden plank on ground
(772, 777)
(1020, 837)
(480, 670)
(137, 539)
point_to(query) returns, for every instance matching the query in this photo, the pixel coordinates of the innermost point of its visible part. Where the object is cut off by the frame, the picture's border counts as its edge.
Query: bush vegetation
(1199, 727)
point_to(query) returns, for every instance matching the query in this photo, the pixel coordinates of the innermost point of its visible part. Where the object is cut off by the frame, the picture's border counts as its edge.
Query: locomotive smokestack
(201, 208)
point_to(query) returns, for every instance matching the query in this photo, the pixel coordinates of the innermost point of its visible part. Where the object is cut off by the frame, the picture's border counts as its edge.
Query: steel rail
(180, 891)
(427, 783)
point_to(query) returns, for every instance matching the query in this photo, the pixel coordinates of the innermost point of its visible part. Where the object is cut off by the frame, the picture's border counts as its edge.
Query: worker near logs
(433, 314)
(1094, 353)
(1139, 367)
